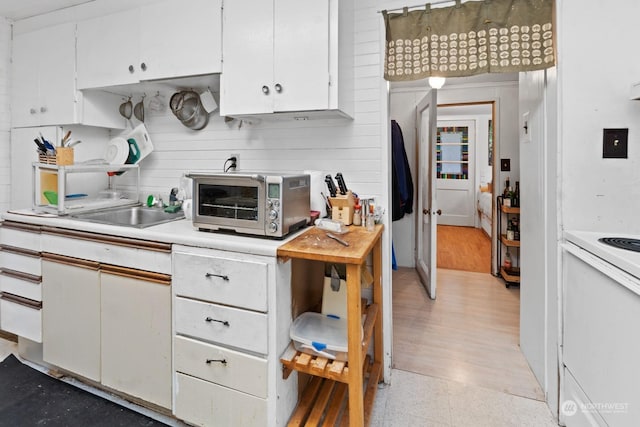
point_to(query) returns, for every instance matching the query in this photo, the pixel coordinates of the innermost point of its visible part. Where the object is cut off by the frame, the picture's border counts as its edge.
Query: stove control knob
(273, 214)
(273, 227)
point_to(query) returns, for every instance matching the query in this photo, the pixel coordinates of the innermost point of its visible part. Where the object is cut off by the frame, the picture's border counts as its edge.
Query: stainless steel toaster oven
(264, 204)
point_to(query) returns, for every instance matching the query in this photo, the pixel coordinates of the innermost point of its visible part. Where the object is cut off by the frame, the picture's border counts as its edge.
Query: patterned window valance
(489, 36)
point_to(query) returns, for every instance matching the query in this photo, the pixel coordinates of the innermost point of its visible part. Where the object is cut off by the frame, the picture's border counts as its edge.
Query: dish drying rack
(54, 177)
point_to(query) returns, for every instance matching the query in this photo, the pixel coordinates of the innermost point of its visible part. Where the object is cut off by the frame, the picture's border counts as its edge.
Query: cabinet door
(136, 337)
(43, 90)
(301, 55)
(246, 83)
(108, 50)
(71, 316)
(180, 38)
(24, 93)
(56, 75)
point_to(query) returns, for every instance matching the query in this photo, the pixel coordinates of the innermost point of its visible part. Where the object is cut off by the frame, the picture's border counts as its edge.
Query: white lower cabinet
(205, 403)
(136, 335)
(230, 312)
(21, 319)
(71, 315)
(109, 323)
(221, 365)
(226, 325)
(20, 280)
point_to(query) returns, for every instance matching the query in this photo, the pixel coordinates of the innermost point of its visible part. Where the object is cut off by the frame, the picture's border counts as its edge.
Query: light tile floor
(418, 400)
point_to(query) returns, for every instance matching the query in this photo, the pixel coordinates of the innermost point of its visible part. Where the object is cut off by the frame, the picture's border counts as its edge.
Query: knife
(330, 185)
(66, 138)
(41, 148)
(341, 184)
(337, 239)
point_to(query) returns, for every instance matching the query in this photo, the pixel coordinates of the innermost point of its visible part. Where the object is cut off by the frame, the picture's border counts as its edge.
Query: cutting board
(143, 140)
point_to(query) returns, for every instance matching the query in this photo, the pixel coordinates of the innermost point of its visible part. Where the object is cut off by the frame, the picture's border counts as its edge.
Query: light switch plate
(614, 143)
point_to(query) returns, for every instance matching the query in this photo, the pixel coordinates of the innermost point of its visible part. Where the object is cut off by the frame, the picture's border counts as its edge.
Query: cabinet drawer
(222, 366)
(23, 320)
(11, 259)
(125, 252)
(223, 280)
(225, 325)
(21, 284)
(21, 239)
(206, 404)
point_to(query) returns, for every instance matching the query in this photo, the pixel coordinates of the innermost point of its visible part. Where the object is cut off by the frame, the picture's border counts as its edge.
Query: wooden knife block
(342, 207)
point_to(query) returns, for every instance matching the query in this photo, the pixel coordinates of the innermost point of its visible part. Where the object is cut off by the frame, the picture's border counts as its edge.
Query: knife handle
(341, 183)
(330, 185)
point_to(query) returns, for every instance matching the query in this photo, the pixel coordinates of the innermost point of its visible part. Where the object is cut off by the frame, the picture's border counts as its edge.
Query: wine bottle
(506, 194)
(515, 202)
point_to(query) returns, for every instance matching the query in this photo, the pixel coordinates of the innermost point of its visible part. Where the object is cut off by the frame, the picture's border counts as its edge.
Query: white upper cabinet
(284, 56)
(108, 50)
(44, 86)
(43, 89)
(161, 40)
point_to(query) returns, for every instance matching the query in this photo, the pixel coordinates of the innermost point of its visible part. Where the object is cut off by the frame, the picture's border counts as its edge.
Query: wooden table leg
(378, 345)
(354, 328)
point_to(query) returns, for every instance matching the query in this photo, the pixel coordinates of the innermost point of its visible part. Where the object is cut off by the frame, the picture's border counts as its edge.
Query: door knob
(265, 90)
(425, 211)
(278, 87)
(439, 212)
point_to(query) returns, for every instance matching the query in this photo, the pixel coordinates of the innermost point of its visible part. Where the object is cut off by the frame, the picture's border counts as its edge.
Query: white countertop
(628, 261)
(179, 232)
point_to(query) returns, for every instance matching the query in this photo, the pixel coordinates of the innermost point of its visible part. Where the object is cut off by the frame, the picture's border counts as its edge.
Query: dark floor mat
(30, 398)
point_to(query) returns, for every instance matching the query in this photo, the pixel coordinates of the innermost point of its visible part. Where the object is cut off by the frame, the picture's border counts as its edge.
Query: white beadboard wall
(5, 113)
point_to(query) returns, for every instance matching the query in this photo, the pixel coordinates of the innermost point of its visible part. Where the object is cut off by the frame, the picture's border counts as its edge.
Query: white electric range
(600, 303)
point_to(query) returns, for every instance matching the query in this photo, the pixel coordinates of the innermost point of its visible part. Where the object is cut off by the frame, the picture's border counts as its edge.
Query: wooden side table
(315, 245)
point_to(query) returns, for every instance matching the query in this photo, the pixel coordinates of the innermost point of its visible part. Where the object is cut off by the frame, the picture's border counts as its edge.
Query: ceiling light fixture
(436, 82)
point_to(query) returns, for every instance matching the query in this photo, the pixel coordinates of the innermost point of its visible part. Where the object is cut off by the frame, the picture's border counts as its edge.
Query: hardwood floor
(464, 248)
(469, 334)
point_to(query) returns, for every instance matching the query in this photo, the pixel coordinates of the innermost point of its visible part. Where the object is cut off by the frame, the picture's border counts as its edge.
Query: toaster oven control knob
(273, 214)
(273, 227)
(269, 204)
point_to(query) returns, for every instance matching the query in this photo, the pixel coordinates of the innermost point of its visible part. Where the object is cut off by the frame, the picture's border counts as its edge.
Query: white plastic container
(320, 335)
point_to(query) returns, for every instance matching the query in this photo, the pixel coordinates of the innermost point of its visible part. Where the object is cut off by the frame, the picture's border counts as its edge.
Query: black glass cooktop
(622, 243)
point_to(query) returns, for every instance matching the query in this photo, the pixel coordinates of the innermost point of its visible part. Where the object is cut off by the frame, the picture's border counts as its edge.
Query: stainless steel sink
(133, 216)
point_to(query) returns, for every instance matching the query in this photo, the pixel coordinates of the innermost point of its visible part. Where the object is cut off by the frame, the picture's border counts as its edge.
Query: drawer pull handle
(224, 322)
(223, 361)
(222, 276)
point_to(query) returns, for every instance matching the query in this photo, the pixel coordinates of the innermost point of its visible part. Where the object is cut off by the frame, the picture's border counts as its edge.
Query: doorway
(464, 186)
(470, 333)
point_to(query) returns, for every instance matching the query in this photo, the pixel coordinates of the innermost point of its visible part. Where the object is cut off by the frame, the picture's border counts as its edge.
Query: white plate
(117, 151)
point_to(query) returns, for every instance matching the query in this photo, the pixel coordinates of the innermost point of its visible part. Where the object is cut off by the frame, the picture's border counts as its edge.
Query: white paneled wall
(5, 113)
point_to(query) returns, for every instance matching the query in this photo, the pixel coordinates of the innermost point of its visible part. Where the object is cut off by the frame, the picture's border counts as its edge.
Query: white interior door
(427, 219)
(455, 171)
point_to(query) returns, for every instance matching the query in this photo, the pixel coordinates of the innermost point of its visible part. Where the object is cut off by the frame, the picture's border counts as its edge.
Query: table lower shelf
(323, 367)
(325, 401)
